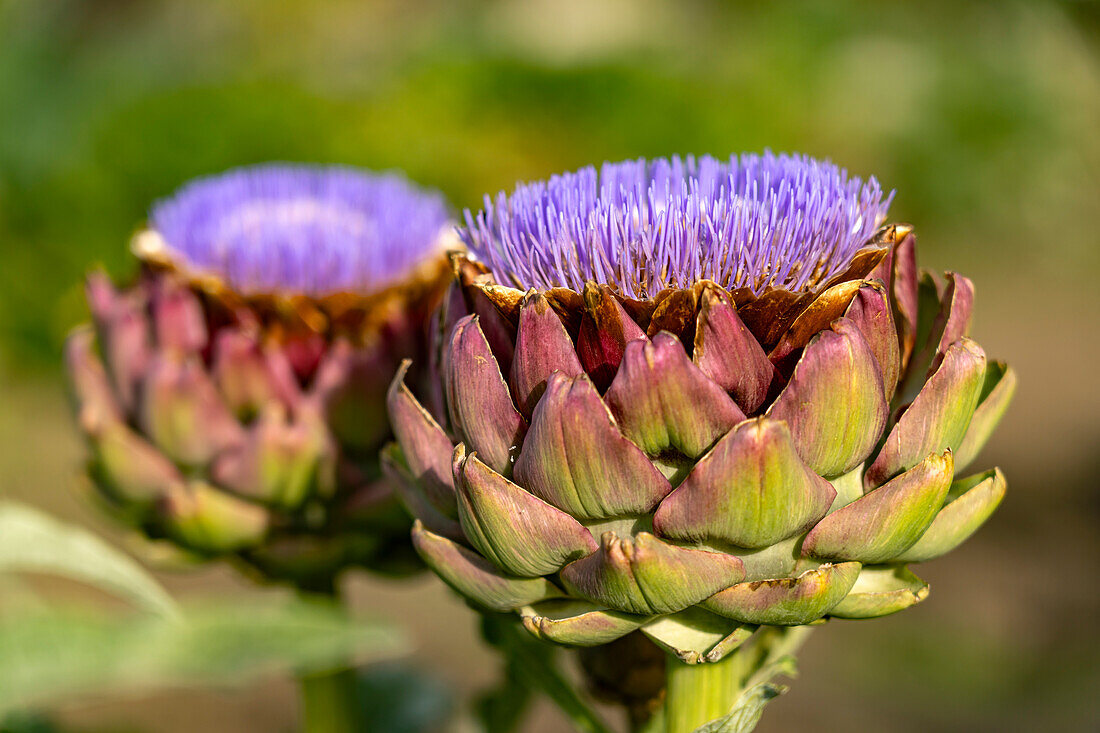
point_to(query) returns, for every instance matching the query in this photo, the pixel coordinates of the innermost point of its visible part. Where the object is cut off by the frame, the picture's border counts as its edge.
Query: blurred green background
(984, 116)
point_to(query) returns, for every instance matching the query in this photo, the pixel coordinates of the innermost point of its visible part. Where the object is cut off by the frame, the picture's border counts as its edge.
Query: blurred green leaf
(533, 664)
(501, 709)
(31, 541)
(400, 699)
(28, 722)
(46, 656)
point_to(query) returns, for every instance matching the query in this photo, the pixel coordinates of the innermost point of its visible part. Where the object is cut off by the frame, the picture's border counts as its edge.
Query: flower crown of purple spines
(756, 221)
(301, 229)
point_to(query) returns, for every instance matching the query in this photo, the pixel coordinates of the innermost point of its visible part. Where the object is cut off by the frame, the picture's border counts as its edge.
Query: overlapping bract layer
(250, 425)
(702, 462)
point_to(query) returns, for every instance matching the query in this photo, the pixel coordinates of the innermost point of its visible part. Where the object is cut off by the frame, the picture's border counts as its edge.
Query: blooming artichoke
(236, 401)
(695, 398)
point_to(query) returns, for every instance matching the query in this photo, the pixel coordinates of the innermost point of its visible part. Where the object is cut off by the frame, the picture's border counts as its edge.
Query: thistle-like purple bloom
(233, 394)
(301, 229)
(756, 221)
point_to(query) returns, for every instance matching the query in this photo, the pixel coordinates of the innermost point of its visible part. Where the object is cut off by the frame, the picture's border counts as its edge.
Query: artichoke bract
(233, 396)
(695, 398)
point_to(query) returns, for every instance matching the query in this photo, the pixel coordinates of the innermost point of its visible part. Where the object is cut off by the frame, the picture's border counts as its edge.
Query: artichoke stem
(700, 693)
(697, 694)
(329, 698)
(329, 702)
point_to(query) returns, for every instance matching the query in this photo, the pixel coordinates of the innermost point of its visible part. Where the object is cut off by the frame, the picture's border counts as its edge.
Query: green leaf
(31, 541)
(400, 699)
(501, 709)
(28, 722)
(785, 665)
(533, 663)
(746, 712)
(46, 656)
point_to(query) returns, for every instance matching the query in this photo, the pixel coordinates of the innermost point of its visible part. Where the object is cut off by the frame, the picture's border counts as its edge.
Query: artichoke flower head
(233, 397)
(695, 397)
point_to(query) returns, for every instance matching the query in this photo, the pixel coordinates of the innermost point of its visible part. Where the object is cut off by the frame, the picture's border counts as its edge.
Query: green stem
(329, 702)
(697, 694)
(329, 698)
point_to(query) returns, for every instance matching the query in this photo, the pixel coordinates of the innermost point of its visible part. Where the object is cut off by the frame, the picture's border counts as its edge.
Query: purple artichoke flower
(233, 397)
(699, 399)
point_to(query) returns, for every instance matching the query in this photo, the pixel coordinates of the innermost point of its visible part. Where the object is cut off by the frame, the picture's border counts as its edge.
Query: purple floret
(756, 221)
(301, 229)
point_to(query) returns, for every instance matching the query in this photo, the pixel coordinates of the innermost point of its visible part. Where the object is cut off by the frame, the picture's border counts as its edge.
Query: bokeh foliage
(982, 115)
(50, 652)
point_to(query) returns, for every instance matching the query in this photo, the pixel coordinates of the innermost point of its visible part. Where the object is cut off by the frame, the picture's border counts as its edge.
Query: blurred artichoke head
(694, 398)
(233, 397)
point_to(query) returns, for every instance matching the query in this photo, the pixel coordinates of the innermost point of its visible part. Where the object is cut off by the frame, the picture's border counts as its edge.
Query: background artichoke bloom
(236, 401)
(699, 399)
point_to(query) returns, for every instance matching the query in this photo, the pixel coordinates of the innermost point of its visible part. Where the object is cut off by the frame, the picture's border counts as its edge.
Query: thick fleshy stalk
(329, 698)
(329, 703)
(697, 694)
(733, 690)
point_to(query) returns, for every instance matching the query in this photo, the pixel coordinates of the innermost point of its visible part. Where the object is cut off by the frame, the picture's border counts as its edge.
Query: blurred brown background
(984, 116)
